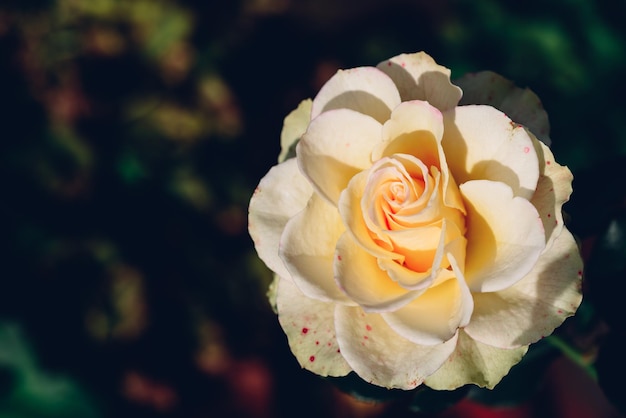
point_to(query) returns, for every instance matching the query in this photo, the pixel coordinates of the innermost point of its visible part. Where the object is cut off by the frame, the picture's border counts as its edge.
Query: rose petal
(481, 142)
(337, 145)
(420, 246)
(366, 90)
(310, 329)
(359, 275)
(416, 128)
(414, 273)
(411, 279)
(398, 189)
(474, 363)
(419, 77)
(351, 213)
(380, 356)
(294, 126)
(409, 122)
(536, 305)
(521, 105)
(272, 292)
(436, 314)
(505, 236)
(307, 247)
(281, 194)
(553, 190)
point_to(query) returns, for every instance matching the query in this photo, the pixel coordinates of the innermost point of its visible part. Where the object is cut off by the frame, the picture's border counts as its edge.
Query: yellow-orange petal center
(403, 208)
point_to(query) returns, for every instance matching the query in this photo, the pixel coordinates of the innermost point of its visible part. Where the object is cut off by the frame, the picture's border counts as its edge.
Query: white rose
(414, 240)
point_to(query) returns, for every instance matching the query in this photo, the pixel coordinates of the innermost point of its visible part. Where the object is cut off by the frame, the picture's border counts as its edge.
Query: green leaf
(28, 391)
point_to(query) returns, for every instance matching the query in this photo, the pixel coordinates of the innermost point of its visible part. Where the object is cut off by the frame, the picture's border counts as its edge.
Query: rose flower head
(415, 239)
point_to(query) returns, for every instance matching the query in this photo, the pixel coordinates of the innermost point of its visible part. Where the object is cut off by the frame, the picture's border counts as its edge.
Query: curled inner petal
(396, 188)
(400, 204)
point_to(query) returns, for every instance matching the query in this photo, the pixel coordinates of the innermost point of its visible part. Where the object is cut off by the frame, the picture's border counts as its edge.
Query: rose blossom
(412, 239)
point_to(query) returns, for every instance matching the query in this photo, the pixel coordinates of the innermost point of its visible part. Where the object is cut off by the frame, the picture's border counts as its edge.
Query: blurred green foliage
(133, 134)
(27, 391)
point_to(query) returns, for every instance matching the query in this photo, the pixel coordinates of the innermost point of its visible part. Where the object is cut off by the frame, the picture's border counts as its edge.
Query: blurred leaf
(573, 354)
(191, 188)
(179, 123)
(611, 369)
(130, 169)
(606, 264)
(28, 391)
(158, 24)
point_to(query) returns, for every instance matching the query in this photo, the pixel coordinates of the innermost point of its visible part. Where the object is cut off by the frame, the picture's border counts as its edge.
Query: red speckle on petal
(389, 63)
(560, 311)
(403, 65)
(338, 350)
(317, 343)
(549, 215)
(580, 273)
(526, 150)
(547, 162)
(305, 330)
(339, 258)
(329, 343)
(368, 327)
(365, 337)
(312, 359)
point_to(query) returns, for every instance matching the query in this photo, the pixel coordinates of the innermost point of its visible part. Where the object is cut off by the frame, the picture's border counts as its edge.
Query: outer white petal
(382, 357)
(434, 316)
(521, 105)
(474, 362)
(307, 248)
(281, 194)
(310, 328)
(480, 142)
(364, 89)
(294, 126)
(534, 307)
(504, 236)
(419, 77)
(337, 145)
(553, 190)
(358, 274)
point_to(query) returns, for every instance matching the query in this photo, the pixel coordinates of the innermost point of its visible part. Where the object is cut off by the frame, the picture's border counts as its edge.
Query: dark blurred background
(132, 135)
